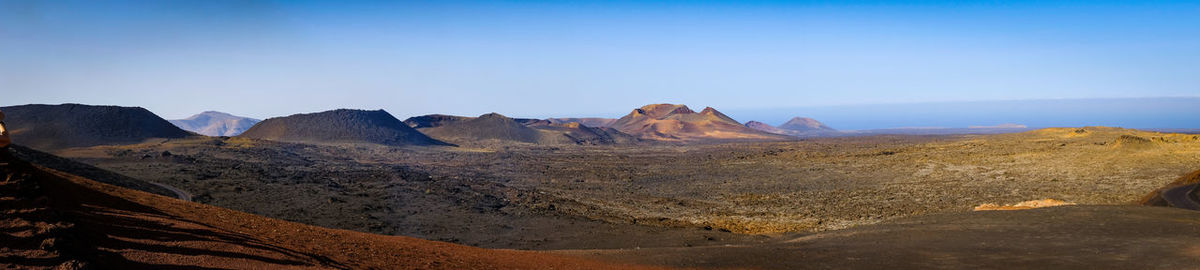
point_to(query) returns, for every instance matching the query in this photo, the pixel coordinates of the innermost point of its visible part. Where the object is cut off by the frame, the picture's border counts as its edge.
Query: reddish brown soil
(53, 219)
(1154, 198)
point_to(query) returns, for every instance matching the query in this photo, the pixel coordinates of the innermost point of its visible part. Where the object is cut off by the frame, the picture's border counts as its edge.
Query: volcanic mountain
(493, 128)
(670, 122)
(433, 120)
(213, 123)
(764, 127)
(578, 133)
(340, 126)
(51, 127)
(805, 124)
(799, 126)
(591, 122)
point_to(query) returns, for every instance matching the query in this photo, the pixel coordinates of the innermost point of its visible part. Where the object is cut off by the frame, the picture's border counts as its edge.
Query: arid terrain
(697, 200)
(55, 220)
(703, 190)
(342, 187)
(60, 220)
(252, 134)
(1065, 237)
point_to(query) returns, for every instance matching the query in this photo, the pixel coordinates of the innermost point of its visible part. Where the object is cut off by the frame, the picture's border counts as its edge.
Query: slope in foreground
(57, 220)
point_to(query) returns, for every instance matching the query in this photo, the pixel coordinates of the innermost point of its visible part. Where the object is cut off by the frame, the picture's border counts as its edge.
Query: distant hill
(577, 133)
(493, 128)
(798, 127)
(764, 127)
(340, 126)
(433, 120)
(212, 123)
(805, 124)
(671, 122)
(591, 122)
(51, 127)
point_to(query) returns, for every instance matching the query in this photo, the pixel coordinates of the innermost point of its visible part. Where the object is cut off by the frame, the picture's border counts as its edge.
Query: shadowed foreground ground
(1065, 237)
(52, 219)
(56, 220)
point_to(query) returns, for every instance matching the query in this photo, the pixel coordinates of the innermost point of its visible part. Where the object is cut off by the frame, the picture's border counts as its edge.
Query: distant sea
(1144, 113)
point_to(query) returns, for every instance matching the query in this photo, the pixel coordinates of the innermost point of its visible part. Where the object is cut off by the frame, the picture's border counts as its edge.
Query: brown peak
(354, 110)
(492, 115)
(711, 110)
(343, 113)
(663, 110)
(660, 106)
(756, 125)
(438, 115)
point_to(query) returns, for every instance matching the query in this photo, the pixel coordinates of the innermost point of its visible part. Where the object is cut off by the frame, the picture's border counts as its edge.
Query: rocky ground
(34, 235)
(54, 220)
(342, 187)
(588, 197)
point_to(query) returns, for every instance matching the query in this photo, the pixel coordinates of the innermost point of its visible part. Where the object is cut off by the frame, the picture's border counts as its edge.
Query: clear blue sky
(585, 58)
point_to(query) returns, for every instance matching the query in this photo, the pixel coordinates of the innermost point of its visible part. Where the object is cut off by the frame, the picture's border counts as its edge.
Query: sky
(755, 60)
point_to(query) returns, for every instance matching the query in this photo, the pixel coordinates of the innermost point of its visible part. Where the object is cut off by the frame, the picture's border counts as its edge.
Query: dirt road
(179, 193)
(1180, 197)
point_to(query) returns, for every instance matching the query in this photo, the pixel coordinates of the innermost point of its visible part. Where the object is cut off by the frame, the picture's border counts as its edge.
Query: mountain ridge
(50, 127)
(494, 128)
(804, 124)
(678, 123)
(340, 126)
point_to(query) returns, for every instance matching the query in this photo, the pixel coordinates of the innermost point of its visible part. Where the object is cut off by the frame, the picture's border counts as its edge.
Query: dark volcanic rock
(340, 126)
(492, 126)
(433, 120)
(85, 170)
(580, 134)
(591, 122)
(50, 127)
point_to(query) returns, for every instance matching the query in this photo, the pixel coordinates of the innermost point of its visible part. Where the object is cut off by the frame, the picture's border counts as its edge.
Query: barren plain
(663, 195)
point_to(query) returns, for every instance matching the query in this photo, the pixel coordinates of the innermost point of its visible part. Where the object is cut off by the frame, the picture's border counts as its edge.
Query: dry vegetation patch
(1022, 205)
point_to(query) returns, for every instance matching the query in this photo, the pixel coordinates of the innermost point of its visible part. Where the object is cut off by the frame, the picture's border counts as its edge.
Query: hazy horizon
(827, 60)
(1145, 113)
